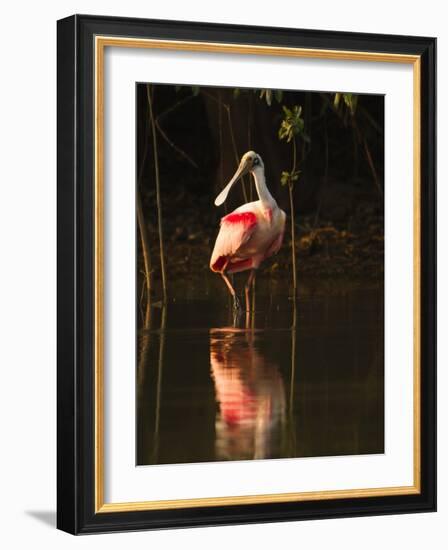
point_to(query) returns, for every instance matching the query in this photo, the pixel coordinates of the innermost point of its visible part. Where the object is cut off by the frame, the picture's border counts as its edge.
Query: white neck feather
(262, 189)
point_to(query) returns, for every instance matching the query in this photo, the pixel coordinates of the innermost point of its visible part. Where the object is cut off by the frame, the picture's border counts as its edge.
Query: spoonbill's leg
(247, 287)
(236, 302)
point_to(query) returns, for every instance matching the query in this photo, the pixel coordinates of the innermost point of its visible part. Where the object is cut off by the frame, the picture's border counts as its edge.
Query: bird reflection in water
(251, 417)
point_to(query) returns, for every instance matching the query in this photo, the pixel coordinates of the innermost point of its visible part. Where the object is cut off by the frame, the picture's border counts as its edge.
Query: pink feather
(236, 229)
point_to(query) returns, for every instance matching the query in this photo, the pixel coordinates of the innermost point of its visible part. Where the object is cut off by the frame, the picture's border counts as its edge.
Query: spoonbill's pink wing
(275, 245)
(236, 229)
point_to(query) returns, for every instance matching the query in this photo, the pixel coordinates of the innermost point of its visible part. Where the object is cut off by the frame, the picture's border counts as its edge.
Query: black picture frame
(76, 271)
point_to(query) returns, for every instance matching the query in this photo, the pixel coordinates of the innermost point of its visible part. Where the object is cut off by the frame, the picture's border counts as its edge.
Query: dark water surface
(284, 382)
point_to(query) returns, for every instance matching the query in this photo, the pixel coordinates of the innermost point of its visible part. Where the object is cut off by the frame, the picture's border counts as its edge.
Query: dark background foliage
(202, 133)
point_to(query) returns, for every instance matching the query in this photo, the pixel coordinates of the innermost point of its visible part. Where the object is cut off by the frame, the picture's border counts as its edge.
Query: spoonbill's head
(250, 162)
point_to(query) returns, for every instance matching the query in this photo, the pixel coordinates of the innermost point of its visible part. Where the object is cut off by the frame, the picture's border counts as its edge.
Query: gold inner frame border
(101, 42)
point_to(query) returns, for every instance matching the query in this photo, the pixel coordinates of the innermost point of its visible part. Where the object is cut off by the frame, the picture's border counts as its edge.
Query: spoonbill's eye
(256, 161)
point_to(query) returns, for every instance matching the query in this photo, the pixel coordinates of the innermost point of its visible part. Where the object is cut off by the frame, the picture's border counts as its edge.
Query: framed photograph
(246, 274)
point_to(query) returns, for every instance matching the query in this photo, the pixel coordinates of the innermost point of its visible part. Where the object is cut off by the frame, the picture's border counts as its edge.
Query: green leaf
(236, 93)
(337, 99)
(195, 90)
(267, 94)
(347, 99)
(350, 100)
(293, 124)
(284, 179)
(288, 178)
(278, 95)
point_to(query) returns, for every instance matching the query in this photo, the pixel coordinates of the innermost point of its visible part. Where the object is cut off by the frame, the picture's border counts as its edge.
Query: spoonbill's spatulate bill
(249, 234)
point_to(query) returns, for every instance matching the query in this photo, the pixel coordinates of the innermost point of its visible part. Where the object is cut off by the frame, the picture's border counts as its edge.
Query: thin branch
(221, 166)
(165, 113)
(143, 230)
(144, 348)
(369, 117)
(145, 243)
(293, 229)
(370, 162)
(178, 150)
(213, 98)
(292, 439)
(364, 143)
(235, 150)
(159, 383)
(159, 202)
(293, 357)
(232, 136)
(249, 139)
(142, 295)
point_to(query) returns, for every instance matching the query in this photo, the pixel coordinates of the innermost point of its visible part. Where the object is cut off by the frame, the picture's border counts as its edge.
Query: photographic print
(246, 274)
(260, 265)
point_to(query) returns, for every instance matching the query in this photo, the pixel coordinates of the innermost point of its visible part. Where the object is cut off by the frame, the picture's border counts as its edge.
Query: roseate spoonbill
(251, 233)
